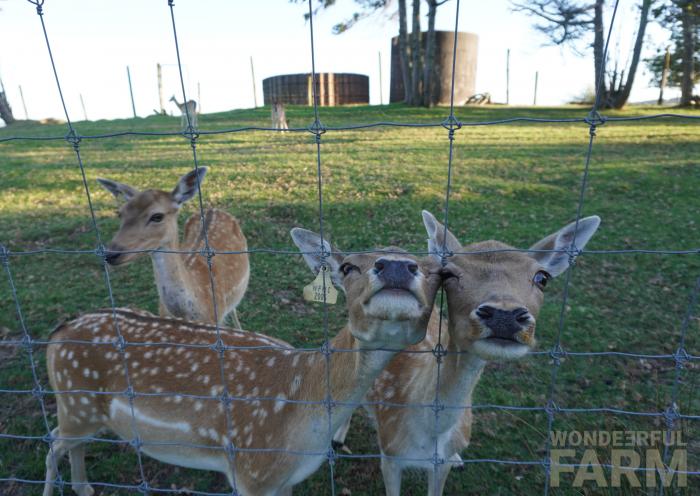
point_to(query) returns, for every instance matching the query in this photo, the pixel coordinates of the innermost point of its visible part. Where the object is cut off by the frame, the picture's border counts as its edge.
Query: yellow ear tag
(314, 291)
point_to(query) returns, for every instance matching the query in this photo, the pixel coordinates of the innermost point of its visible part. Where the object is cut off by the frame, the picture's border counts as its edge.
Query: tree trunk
(404, 53)
(416, 54)
(599, 52)
(429, 63)
(5, 110)
(688, 53)
(622, 97)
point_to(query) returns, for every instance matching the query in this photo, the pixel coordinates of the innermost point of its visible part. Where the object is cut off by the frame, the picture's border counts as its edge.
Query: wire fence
(671, 415)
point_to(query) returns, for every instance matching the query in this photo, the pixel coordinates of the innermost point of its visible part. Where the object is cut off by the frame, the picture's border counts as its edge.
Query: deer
(493, 299)
(277, 421)
(279, 116)
(148, 223)
(187, 108)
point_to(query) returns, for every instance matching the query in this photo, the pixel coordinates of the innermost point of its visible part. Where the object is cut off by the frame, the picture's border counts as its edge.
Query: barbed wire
(671, 414)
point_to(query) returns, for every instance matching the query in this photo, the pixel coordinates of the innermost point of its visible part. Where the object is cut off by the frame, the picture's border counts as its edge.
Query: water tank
(465, 67)
(331, 89)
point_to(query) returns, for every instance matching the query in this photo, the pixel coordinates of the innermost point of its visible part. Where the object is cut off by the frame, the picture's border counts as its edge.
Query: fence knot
(73, 138)
(27, 341)
(100, 251)
(671, 414)
(225, 399)
(219, 346)
(326, 349)
(439, 352)
(595, 119)
(331, 455)
(38, 392)
(192, 134)
(681, 356)
(129, 393)
(437, 460)
(39, 4)
(551, 408)
(4, 255)
(48, 438)
(143, 488)
(437, 406)
(451, 124)
(557, 354)
(317, 128)
(171, 3)
(120, 343)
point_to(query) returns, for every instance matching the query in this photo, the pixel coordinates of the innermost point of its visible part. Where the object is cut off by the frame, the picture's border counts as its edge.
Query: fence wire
(594, 120)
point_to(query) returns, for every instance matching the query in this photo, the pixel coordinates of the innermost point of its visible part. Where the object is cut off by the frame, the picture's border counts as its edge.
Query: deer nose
(504, 323)
(396, 273)
(112, 256)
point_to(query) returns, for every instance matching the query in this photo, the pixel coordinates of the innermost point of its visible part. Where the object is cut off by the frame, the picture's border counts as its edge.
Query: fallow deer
(149, 222)
(493, 299)
(189, 107)
(277, 410)
(279, 116)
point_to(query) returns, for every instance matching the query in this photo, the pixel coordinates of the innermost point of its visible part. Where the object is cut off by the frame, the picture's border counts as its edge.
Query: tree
(682, 19)
(5, 109)
(416, 53)
(566, 22)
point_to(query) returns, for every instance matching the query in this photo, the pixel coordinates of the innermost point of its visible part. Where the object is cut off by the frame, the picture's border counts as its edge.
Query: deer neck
(352, 373)
(459, 374)
(171, 275)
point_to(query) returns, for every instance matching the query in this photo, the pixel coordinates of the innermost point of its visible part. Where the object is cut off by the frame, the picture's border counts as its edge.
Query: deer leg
(340, 435)
(54, 456)
(78, 477)
(437, 477)
(391, 472)
(233, 320)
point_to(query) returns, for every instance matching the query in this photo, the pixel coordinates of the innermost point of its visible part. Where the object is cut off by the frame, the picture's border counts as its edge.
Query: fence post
(24, 105)
(508, 77)
(82, 103)
(381, 91)
(160, 88)
(131, 91)
(664, 75)
(199, 99)
(534, 99)
(252, 73)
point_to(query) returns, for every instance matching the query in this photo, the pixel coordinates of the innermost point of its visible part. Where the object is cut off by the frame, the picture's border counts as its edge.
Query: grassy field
(515, 182)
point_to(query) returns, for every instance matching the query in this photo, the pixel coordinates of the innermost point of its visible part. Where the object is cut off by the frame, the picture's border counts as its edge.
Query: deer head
(389, 293)
(148, 218)
(494, 297)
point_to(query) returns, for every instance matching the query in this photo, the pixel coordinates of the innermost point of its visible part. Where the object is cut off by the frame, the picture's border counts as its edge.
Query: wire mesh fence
(670, 415)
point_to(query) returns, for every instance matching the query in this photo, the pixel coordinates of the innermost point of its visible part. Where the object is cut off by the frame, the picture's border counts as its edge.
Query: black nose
(396, 274)
(504, 323)
(111, 257)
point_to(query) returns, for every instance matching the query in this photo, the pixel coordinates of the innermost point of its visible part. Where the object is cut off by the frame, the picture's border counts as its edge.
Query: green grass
(514, 182)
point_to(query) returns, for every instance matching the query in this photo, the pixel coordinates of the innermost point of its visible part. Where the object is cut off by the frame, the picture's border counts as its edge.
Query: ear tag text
(314, 291)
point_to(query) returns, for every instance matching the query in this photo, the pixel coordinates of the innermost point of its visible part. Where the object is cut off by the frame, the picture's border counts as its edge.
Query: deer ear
(187, 185)
(557, 261)
(119, 190)
(437, 236)
(309, 243)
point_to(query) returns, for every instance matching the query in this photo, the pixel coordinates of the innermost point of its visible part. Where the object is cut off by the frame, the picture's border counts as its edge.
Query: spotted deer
(188, 107)
(493, 299)
(279, 116)
(149, 222)
(277, 411)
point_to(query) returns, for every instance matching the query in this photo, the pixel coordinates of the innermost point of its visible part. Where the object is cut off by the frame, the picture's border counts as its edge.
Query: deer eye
(346, 268)
(541, 278)
(156, 218)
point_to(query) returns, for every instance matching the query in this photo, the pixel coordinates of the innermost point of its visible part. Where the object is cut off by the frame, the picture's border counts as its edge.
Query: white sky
(94, 40)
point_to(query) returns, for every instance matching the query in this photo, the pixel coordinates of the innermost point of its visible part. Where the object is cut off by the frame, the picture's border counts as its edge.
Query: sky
(93, 42)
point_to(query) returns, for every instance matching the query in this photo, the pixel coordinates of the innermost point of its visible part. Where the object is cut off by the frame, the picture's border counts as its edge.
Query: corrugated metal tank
(331, 88)
(465, 67)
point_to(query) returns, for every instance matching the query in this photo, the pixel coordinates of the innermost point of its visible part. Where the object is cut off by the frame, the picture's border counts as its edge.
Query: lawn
(515, 182)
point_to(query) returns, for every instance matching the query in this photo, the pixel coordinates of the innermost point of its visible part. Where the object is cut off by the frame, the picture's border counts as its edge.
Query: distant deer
(279, 391)
(189, 107)
(149, 222)
(279, 116)
(492, 301)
